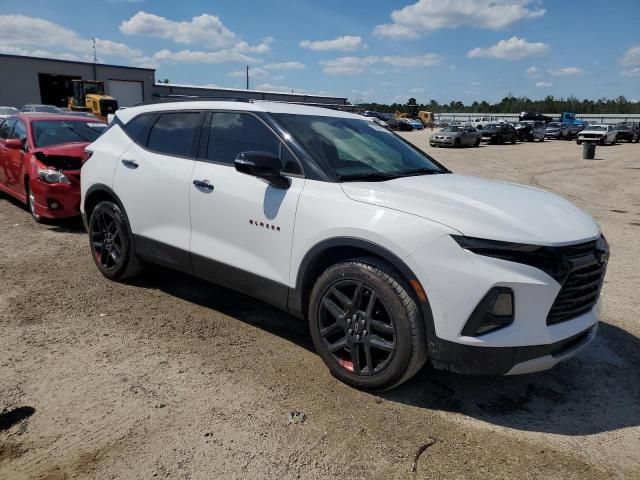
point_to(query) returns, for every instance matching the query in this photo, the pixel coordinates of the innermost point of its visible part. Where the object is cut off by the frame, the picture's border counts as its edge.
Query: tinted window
(138, 130)
(19, 130)
(5, 128)
(57, 132)
(175, 133)
(232, 133)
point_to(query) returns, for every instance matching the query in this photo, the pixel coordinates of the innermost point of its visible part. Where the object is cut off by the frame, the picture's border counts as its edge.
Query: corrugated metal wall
(19, 83)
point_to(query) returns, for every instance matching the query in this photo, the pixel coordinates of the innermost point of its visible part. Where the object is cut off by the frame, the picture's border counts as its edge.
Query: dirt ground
(170, 377)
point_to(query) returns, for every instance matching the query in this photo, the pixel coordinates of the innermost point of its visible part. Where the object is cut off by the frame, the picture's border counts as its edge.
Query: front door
(242, 226)
(14, 162)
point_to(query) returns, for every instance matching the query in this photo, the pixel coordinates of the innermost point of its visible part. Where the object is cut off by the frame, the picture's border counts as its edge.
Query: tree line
(511, 104)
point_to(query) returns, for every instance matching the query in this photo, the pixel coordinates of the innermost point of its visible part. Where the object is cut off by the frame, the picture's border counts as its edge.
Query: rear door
(153, 178)
(242, 226)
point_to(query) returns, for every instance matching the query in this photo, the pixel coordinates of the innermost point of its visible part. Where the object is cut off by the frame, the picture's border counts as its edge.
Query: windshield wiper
(419, 171)
(371, 177)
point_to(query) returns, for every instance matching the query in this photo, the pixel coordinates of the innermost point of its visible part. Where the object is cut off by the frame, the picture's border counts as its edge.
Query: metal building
(43, 80)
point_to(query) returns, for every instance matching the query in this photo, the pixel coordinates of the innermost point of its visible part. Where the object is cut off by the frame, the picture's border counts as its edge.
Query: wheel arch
(95, 194)
(331, 251)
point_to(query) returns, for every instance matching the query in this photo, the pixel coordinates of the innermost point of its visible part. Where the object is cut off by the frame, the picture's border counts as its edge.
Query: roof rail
(189, 98)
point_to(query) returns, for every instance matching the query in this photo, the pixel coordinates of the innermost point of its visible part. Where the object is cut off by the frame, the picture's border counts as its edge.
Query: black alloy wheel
(111, 242)
(357, 328)
(365, 324)
(106, 240)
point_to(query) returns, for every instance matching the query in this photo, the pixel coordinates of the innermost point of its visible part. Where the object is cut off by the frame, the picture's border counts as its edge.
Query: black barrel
(588, 150)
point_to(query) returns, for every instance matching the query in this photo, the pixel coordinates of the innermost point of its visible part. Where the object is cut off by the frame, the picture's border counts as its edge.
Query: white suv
(391, 258)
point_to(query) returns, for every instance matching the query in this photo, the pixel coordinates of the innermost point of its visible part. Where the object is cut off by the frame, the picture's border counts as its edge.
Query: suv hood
(482, 208)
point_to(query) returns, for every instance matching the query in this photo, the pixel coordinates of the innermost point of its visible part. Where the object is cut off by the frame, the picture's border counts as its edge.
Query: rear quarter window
(138, 128)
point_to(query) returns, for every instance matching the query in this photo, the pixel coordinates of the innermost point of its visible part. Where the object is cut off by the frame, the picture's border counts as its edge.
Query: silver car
(456, 136)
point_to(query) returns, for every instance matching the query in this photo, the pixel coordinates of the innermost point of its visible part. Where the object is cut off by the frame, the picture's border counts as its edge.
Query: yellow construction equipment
(89, 96)
(426, 118)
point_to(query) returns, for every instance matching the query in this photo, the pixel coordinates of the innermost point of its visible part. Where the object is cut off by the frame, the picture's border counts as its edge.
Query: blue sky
(381, 51)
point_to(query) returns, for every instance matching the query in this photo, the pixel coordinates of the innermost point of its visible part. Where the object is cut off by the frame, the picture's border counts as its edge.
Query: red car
(40, 160)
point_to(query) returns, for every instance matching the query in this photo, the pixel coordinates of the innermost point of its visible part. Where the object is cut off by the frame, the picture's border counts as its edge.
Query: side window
(138, 129)
(19, 131)
(175, 134)
(232, 133)
(5, 128)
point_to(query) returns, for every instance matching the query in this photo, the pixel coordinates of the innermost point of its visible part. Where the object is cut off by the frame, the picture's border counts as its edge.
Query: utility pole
(247, 77)
(95, 60)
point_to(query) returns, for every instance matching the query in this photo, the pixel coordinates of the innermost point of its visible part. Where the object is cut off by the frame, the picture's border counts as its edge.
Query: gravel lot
(171, 377)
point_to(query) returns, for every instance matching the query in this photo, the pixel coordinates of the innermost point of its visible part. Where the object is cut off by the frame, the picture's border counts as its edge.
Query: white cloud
(544, 84)
(512, 49)
(631, 57)
(632, 72)
(285, 66)
(256, 72)
(23, 35)
(205, 29)
(532, 72)
(631, 60)
(356, 65)
(565, 71)
(188, 56)
(474, 84)
(345, 43)
(429, 15)
(416, 90)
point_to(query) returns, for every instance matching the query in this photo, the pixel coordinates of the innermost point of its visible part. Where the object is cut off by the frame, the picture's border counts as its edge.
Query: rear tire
(111, 242)
(477, 144)
(365, 324)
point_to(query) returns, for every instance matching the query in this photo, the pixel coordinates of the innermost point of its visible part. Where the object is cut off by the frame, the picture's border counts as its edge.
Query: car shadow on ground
(228, 302)
(594, 392)
(597, 391)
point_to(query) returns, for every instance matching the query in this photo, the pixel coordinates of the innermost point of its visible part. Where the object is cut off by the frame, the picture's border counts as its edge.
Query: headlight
(51, 175)
(543, 258)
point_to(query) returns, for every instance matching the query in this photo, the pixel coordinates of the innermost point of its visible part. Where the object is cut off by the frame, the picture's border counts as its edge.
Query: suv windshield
(357, 149)
(57, 132)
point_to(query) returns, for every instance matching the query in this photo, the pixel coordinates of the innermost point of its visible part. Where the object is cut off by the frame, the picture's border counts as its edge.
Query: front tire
(31, 203)
(111, 242)
(365, 325)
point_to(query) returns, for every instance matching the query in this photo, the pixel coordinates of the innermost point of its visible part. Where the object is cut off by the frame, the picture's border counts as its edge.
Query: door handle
(130, 163)
(203, 184)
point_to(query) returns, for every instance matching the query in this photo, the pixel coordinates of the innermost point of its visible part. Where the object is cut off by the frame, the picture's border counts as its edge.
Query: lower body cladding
(55, 200)
(457, 283)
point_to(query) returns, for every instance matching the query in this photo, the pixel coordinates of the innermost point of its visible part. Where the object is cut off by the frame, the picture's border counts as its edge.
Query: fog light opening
(495, 311)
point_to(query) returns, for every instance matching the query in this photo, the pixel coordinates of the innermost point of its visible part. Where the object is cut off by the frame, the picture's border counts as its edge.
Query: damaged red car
(40, 160)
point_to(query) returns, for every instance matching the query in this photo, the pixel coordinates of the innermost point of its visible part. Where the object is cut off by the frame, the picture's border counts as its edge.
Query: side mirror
(14, 144)
(263, 165)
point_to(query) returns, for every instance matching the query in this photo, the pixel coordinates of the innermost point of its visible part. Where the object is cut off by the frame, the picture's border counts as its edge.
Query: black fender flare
(99, 188)
(296, 295)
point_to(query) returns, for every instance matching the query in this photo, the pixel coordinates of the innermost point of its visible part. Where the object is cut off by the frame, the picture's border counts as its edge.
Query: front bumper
(557, 134)
(56, 200)
(441, 142)
(470, 360)
(456, 280)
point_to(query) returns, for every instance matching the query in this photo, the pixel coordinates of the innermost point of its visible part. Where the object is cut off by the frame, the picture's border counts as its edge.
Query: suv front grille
(581, 287)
